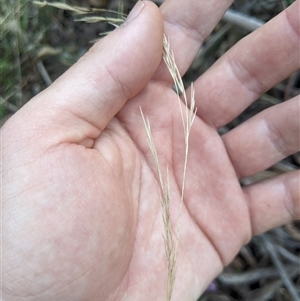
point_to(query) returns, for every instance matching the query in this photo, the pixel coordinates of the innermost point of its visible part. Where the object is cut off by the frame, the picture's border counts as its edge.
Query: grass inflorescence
(188, 113)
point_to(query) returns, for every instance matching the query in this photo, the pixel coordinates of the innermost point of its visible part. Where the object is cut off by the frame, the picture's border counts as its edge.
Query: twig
(44, 73)
(242, 20)
(237, 18)
(288, 255)
(276, 260)
(9, 106)
(253, 276)
(264, 293)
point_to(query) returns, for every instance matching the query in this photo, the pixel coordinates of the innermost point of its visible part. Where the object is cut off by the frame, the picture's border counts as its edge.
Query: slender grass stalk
(188, 113)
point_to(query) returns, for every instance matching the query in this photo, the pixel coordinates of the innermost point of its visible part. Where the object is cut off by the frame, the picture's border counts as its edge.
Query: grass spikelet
(188, 113)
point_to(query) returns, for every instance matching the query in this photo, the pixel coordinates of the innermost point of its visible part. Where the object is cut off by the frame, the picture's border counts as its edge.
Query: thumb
(83, 101)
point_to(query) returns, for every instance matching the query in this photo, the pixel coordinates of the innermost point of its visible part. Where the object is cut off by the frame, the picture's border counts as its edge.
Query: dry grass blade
(88, 15)
(188, 113)
(75, 9)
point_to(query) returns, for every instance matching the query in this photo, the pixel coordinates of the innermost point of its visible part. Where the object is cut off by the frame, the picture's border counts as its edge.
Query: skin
(81, 214)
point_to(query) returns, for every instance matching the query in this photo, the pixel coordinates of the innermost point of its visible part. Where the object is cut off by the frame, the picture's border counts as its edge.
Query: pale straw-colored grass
(87, 15)
(188, 113)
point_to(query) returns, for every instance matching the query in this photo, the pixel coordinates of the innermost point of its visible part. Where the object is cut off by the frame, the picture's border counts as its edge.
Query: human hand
(81, 212)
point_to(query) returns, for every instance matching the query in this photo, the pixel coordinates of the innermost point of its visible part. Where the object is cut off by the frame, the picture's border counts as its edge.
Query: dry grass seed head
(188, 114)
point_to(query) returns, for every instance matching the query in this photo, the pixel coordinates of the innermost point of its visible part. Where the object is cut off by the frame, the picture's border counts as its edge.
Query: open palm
(82, 218)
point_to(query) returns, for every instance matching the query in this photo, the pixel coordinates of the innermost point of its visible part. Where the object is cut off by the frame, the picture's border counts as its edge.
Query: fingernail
(135, 11)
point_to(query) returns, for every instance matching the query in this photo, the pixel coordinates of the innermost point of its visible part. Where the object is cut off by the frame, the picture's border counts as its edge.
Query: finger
(82, 102)
(187, 24)
(265, 139)
(273, 202)
(250, 68)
